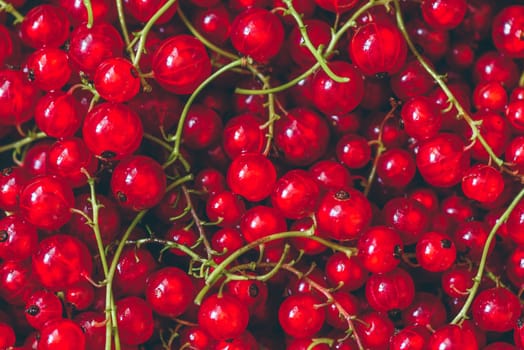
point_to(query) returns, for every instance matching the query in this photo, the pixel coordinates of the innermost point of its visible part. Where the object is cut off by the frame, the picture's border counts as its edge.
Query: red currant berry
(444, 14)
(46, 202)
(319, 33)
(301, 315)
(496, 309)
(12, 182)
(116, 80)
(252, 176)
(343, 214)
(61, 261)
(132, 270)
(452, 337)
(202, 127)
(17, 98)
(48, 68)
(7, 336)
(507, 31)
(295, 194)
(396, 167)
(421, 118)
(393, 290)
(243, 134)
(331, 97)
(181, 63)
(379, 249)
(490, 95)
(257, 33)
(337, 6)
(135, 320)
(58, 114)
(261, 221)
(482, 183)
(374, 330)
(18, 238)
(378, 48)
(142, 10)
(330, 174)
(353, 151)
(62, 334)
(45, 25)
(138, 182)
(302, 136)
(436, 251)
(169, 291)
(223, 317)
(346, 273)
(112, 130)
(41, 307)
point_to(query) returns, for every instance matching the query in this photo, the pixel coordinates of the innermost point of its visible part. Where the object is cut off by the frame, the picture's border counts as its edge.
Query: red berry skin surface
(507, 31)
(138, 182)
(377, 48)
(62, 334)
(343, 214)
(295, 194)
(61, 260)
(46, 202)
(223, 317)
(12, 181)
(252, 176)
(48, 68)
(180, 64)
(169, 291)
(112, 130)
(116, 80)
(257, 33)
(58, 114)
(135, 320)
(300, 316)
(45, 25)
(436, 251)
(394, 290)
(496, 309)
(7, 336)
(17, 97)
(302, 136)
(444, 14)
(18, 238)
(442, 160)
(379, 249)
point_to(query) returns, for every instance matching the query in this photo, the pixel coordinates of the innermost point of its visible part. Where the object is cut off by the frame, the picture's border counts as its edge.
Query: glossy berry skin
(253, 293)
(330, 174)
(12, 181)
(169, 291)
(295, 194)
(490, 95)
(135, 320)
(260, 221)
(507, 31)
(142, 11)
(46, 202)
(442, 160)
(80, 296)
(337, 6)
(17, 97)
(353, 151)
(138, 182)
(88, 47)
(410, 338)
(41, 307)
(436, 251)
(61, 260)
(515, 115)
(252, 176)
(18, 238)
(343, 214)
(374, 330)
(393, 290)
(496, 131)
(411, 81)
(421, 118)
(225, 208)
(330, 97)
(379, 249)
(116, 80)
(7, 336)
(396, 167)
(62, 334)
(69, 159)
(457, 281)
(45, 26)
(302, 136)
(346, 273)
(17, 281)
(196, 337)
(214, 23)
(378, 48)
(300, 316)
(426, 310)
(223, 317)
(482, 183)
(181, 63)
(6, 44)
(451, 337)
(48, 68)
(132, 271)
(243, 134)
(444, 14)
(408, 216)
(112, 130)
(257, 33)
(202, 127)
(496, 309)
(58, 114)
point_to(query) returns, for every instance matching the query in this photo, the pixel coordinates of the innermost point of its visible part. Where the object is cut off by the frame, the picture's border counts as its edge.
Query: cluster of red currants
(261, 174)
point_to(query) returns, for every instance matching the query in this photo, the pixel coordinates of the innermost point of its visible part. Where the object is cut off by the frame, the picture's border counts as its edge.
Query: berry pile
(261, 174)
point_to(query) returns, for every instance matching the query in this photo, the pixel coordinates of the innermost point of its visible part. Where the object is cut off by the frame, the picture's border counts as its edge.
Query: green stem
(200, 37)
(147, 27)
(9, 8)
(95, 224)
(179, 182)
(177, 138)
(462, 314)
(521, 80)
(158, 141)
(123, 27)
(89, 10)
(321, 59)
(25, 141)
(219, 270)
(476, 135)
(111, 325)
